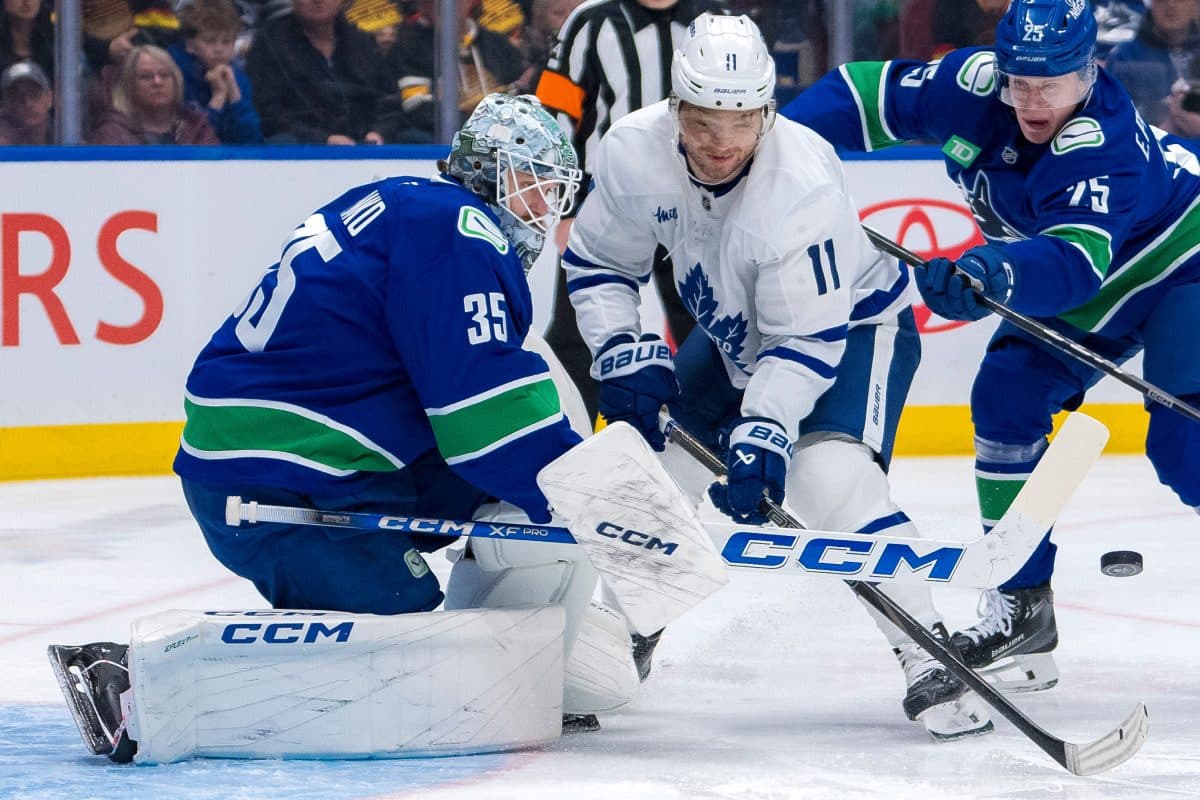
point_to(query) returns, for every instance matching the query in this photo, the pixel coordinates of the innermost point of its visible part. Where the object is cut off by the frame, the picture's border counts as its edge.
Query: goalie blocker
(311, 684)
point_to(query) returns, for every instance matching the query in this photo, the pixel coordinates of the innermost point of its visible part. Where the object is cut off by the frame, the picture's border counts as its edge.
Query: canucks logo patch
(1078, 133)
(728, 333)
(977, 75)
(477, 225)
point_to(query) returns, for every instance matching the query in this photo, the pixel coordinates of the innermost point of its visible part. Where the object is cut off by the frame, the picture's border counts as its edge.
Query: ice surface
(773, 688)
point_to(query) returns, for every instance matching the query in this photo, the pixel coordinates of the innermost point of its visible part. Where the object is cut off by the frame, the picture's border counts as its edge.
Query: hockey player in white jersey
(806, 343)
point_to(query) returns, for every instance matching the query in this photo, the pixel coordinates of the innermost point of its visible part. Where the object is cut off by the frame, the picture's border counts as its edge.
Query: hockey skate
(1012, 642)
(93, 677)
(643, 651)
(937, 699)
(580, 723)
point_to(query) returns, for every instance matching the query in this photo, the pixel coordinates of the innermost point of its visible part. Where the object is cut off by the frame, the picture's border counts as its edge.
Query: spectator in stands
(114, 27)
(538, 38)
(380, 18)
(488, 62)
(148, 107)
(27, 34)
(1116, 23)
(210, 78)
(1160, 55)
(316, 77)
(26, 102)
(931, 28)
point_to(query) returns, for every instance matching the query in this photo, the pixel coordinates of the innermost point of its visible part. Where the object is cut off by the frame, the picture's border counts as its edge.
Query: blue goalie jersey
(387, 339)
(1100, 221)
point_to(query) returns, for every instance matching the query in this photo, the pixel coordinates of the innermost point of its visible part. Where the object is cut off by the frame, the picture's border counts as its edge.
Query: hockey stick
(1049, 335)
(980, 563)
(1080, 759)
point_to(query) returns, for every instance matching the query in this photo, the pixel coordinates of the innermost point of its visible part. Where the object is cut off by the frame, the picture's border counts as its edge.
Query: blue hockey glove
(757, 464)
(636, 380)
(949, 288)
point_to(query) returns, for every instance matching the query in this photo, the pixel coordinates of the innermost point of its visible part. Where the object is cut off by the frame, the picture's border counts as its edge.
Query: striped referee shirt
(612, 57)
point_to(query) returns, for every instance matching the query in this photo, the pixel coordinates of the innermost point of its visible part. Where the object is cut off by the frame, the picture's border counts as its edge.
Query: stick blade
(1072, 452)
(1067, 460)
(1112, 749)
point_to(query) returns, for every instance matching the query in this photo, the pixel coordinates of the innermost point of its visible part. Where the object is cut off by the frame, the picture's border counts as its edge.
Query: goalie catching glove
(949, 288)
(756, 466)
(636, 380)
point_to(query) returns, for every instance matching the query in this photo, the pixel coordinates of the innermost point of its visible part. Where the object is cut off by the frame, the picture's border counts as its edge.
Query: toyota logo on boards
(930, 228)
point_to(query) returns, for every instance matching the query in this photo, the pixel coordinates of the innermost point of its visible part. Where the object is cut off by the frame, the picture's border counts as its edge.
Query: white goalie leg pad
(834, 483)
(311, 684)
(503, 574)
(640, 531)
(600, 674)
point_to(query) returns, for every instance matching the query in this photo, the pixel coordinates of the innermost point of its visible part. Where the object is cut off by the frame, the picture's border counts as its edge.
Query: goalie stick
(980, 563)
(1077, 444)
(1048, 335)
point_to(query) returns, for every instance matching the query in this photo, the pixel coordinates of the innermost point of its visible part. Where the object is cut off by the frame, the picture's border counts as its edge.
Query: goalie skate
(937, 699)
(92, 678)
(1012, 643)
(643, 652)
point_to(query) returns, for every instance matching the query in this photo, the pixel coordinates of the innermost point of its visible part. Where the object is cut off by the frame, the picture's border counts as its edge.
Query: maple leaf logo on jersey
(729, 333)
(979, 198)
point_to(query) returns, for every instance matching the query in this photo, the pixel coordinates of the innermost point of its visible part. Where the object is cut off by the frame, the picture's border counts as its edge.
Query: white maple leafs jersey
(774, 266)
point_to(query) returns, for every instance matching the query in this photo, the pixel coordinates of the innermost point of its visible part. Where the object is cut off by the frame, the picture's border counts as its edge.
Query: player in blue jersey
(385, 364)
(1091, 219)
(378, 366)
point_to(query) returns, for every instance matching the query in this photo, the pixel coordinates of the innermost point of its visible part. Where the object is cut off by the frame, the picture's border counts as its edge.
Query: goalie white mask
(514, 155)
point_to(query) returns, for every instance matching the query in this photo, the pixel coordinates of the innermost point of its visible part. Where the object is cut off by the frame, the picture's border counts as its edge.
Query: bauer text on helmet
(514, 155)
(722, 104)
(1046, 53)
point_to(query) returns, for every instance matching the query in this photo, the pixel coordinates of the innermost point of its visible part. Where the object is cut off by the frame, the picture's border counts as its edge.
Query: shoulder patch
(475, 224)
(960, 150)
(977, 75)
(1078, 133)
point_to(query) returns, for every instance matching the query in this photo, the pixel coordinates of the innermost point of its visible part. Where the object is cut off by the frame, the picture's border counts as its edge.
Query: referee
(612, 57)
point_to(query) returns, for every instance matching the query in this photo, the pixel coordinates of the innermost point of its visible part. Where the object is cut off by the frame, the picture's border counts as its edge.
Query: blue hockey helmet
(1047, 39)
(508, 152)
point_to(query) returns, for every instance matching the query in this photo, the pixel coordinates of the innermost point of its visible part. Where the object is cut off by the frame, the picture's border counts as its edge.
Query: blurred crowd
(362, 71)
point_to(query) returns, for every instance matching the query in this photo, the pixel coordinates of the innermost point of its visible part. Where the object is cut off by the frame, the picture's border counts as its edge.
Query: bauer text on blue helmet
(1045, 38)
(514, 155)
(1045, 62)
(722, 87)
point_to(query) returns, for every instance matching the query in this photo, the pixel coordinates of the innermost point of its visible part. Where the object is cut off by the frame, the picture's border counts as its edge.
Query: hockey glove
(757, 464)
(636, 380)
(949, 288)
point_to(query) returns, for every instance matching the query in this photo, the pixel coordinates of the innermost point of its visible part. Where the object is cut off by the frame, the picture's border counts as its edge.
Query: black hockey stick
(1091, 758)
(1049, 335)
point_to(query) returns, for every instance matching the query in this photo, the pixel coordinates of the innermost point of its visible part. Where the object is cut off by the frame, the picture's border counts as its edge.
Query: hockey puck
(1121, 563)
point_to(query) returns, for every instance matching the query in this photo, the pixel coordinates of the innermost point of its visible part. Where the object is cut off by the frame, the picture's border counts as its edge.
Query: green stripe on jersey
(1096, 244)
(470, 429)
(865, 79)
(219, 429)
(996, 493)
(1155, 263)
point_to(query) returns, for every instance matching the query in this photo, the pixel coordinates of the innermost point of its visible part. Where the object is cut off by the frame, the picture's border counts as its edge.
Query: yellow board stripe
(79, 451)
(946, 430)
(148, 448)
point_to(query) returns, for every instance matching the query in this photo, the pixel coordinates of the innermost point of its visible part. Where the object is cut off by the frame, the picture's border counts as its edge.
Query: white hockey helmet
(723, 63)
